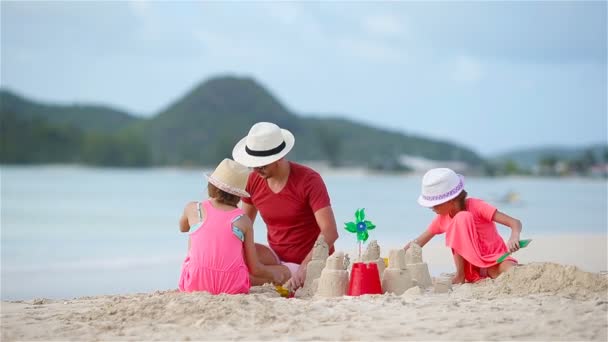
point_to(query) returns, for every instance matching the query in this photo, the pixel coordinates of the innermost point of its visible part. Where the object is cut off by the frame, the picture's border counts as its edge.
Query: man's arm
(327, 223)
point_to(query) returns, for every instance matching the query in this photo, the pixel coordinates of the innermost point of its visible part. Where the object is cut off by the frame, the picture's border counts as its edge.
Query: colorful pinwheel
(360, 226)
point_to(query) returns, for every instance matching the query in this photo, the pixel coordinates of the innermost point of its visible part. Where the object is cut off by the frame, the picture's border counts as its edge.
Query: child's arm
(184, 225)
(421, 240)
(256, 268)
(514, 224)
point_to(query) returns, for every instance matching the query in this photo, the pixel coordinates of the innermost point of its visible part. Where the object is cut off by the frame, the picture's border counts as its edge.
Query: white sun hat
(265, 144)
(230, 177)
(439, 186)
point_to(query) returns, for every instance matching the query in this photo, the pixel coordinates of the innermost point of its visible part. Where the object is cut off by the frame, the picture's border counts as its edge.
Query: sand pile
(263, 315)
(396, 278)
(334, 277)
(372, 254)
(320, 252)
(419, 270)
(544, 278)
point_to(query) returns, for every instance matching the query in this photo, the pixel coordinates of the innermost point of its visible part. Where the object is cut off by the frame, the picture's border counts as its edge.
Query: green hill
(86, 117)
(204, 125)
(35, 133)
(201, 128)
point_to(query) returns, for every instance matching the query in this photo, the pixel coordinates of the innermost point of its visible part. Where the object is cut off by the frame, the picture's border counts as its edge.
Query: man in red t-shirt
(291, 198)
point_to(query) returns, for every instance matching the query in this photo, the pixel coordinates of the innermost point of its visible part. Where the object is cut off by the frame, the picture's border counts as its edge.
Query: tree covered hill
(86, 117)
(201, 128)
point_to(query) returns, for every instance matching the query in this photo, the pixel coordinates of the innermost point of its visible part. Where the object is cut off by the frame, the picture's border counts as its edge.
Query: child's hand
(407, 246)
(297, 279)
(513, 243)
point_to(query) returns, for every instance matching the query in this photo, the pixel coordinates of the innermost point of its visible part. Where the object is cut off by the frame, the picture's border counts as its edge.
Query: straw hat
(265, 144)
(230, 177)
(439, 186)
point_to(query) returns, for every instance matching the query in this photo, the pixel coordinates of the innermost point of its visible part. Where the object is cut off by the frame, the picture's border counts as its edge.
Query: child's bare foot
(458, 279)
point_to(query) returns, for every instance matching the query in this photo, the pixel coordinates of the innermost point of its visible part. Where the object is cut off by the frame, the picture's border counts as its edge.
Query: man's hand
(297, 279)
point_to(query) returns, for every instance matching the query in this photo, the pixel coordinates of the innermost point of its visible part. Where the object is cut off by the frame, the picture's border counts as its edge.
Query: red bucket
(364, 279)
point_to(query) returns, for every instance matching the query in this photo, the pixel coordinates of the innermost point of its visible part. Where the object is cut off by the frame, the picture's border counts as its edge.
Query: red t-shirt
(289, 214)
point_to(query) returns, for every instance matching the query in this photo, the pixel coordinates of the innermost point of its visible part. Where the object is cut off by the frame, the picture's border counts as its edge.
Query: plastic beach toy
(283, 291)
(364, 279)
(522, 244)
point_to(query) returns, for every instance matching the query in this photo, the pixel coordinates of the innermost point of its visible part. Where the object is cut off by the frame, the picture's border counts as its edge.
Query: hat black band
(265, 153)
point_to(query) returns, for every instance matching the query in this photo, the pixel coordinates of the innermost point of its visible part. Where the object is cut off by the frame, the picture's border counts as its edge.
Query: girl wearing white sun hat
(469, 225)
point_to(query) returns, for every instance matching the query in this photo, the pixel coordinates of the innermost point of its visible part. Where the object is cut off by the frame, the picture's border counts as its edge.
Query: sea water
(71, 231)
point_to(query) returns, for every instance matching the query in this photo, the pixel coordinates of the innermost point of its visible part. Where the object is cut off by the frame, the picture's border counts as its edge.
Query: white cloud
(287, 13)
(225, 46)
(370, 50)
(384, 25)
(466, 69)
(140, 8)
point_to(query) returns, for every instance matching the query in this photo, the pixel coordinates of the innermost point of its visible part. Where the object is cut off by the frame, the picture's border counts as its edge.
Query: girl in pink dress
(469, 225)
(221, 251)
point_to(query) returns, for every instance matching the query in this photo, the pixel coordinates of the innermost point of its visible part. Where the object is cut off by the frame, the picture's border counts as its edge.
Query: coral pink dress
(215, 261)
(472, 234)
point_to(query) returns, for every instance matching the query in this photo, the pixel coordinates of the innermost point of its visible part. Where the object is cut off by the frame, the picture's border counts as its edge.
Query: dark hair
(222, 196)
(461, 200)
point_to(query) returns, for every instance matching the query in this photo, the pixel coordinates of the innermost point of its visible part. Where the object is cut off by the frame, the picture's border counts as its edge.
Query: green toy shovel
(522, 244)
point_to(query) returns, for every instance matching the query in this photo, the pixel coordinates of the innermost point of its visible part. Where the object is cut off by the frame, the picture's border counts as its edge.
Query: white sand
(588, 252)
(537, 301)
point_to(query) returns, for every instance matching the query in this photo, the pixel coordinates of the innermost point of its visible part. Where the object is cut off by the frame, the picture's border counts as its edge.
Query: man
(291, 198)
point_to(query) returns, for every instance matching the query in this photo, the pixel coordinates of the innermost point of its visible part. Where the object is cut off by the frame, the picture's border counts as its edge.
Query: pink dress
(215, 261)
(472, 234)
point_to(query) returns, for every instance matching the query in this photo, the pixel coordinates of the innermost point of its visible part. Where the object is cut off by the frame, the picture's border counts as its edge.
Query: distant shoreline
(320, 167)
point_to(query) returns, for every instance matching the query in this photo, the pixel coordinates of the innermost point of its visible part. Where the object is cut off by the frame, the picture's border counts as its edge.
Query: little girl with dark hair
(469, 225)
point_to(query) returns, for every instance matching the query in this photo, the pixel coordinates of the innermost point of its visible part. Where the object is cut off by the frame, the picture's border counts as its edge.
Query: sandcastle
(334, 277)
(419, 270)
(396, 278)
(328, 276)
(372, 254)
(320, 252)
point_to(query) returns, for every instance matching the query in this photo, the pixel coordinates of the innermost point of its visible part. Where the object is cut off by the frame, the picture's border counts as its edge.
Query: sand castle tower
(320, 252)
(334, 277)
(419, 270)
(372, 254)
(396, 278)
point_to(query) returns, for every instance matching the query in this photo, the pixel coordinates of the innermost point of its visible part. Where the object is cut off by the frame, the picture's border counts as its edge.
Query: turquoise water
(71, 231)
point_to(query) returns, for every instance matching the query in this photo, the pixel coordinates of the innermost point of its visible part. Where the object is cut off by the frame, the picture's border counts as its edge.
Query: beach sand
(535, 301)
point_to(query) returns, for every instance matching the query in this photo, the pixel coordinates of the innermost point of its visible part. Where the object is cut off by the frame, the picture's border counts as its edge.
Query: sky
(490, 76)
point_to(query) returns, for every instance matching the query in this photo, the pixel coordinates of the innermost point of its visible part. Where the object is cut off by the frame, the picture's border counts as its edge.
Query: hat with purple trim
(439, 186)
